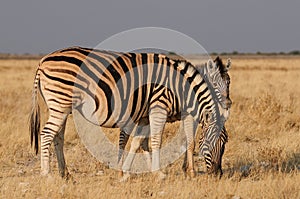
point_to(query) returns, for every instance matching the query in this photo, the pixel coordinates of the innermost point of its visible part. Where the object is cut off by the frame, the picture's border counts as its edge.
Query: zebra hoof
(125, 177)
(64, 173)
(68, 177)
(44, 173)
(160, 175)
(191, 174)
(120, 174)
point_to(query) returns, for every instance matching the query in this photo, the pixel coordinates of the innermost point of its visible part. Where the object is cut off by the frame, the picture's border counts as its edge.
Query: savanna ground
(261, 160)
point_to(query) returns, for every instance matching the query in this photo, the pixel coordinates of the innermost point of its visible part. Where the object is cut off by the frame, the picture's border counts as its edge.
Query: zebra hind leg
(145, 147)
(123, 139)
(135, 144)
(52, 127)
(58, 144)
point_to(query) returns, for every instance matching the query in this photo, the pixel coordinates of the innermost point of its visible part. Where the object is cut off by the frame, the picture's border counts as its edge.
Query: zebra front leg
(123, 139)
(157, 118)
(188, 162)
(189, 129)
(59, 144)
(184, 165)
(145, 147)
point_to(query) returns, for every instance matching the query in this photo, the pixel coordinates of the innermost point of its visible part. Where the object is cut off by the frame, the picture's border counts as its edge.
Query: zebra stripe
(113, 89)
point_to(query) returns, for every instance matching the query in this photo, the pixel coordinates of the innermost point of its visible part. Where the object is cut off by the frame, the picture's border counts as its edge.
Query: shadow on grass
(254, 169)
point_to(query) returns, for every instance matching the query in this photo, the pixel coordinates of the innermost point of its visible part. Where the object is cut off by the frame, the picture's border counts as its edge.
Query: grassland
(262, 157)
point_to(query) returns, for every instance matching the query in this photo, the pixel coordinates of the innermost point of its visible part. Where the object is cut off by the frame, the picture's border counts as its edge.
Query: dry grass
(262, 157)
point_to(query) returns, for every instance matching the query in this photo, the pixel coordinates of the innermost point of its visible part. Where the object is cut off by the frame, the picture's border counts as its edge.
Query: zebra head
(211, 144)
(217, 75)
(213, 159)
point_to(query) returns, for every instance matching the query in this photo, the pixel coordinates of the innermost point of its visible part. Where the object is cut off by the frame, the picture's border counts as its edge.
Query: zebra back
(115, 89)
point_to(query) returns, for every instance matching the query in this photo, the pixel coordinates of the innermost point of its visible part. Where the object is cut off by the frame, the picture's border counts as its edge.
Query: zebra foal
(213, 159)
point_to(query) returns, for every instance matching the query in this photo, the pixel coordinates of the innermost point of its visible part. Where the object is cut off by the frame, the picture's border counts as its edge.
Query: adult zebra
(213, 159)
(113, 89)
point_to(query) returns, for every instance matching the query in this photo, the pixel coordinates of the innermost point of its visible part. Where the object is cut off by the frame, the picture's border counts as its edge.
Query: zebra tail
(34, 125)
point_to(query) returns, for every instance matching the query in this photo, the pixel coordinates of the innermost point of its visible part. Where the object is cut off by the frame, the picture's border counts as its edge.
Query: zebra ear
(211, 66)
(228, 65)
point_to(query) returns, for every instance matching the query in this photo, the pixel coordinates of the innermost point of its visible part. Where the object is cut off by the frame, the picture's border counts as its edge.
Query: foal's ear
(211, 66)
(217, 60)
(228, 65)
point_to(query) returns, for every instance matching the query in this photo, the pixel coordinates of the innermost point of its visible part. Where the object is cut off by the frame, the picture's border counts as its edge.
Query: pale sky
(37, 26)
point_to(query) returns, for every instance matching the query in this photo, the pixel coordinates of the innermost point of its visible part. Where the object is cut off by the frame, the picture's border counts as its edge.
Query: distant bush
(294, 52)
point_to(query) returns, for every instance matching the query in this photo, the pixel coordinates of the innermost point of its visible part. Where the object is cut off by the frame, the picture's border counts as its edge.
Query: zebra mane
(201, 69)
(179, 61)
(183, 61)
(222, 67)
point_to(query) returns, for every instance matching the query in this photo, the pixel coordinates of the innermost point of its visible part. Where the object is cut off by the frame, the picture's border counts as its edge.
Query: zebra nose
(228, 103)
